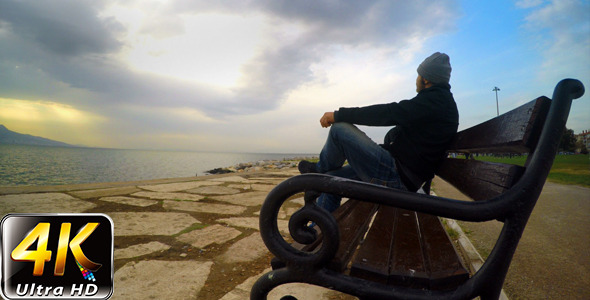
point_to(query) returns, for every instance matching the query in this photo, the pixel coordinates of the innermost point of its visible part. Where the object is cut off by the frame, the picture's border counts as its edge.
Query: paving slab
(222, 209)
(42, 203)
(230, 179)
(301, 201)
(252, 223)
(245, 222)
(303, 291)
(202, 238)
(263, 187)
(150, 223)
(246, 199)
(214, 190)
(288, 212)
(140, 249)
(177, 186)
(155, 279)
(247, 249)
(168, 196)
(283, 212)
(298, 290)
(129, 201)
(97, 193)
(267, 180)
(286, 173)
(247, 187)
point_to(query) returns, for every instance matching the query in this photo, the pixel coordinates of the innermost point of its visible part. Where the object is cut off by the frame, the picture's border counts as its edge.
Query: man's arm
(327, 119)
(424, 107)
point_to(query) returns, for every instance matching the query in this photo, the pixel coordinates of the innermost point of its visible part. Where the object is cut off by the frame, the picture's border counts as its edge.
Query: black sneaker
(307, 167)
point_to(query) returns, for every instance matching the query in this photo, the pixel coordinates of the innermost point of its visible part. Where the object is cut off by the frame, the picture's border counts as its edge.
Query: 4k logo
(78, 247)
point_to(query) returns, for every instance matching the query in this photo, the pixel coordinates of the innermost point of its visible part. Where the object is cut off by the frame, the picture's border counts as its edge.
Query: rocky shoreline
(262, 165)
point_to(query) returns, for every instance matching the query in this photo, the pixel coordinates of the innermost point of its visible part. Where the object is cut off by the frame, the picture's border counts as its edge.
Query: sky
(256, 76)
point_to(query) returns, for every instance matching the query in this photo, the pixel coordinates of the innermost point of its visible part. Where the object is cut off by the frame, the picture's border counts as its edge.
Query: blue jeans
(367, 161)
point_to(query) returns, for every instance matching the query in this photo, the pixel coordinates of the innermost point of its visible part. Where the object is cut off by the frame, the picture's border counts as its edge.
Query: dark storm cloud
(50, 46)
(327, 24)
(276, 71)
(58, 45)
(65, 27)
(374, 22)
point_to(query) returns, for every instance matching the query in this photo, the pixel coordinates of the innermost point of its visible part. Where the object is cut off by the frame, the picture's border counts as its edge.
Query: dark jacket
(424, 128)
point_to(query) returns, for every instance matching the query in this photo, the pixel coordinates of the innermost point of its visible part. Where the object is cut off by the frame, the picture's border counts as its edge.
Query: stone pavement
(182, 238)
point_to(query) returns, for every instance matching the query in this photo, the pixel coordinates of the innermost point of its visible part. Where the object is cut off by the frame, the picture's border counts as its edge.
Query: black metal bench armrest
(298, 228)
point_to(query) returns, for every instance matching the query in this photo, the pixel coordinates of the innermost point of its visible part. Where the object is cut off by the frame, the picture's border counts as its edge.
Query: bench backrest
(515, 132)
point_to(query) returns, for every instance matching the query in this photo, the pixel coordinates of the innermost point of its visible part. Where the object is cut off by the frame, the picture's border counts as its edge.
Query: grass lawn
(566, 169)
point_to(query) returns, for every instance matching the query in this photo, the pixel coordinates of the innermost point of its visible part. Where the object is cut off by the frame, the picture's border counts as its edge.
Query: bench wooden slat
(408, 266)
(446, 270)
(477, 179)
(352, 226)
(372, 261)
(513, 132)
(409, 249)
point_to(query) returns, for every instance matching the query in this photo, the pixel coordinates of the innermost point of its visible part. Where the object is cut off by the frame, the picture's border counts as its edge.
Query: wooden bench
(389, 244)
(402, 247)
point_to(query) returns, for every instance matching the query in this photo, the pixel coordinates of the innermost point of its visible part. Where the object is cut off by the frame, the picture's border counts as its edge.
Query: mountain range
(14, 138)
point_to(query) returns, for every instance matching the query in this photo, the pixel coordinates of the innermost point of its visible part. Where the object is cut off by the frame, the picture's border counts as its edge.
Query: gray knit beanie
(436, 68)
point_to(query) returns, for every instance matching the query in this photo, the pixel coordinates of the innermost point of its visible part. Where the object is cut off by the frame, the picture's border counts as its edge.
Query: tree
(580, 146)
(568, 141)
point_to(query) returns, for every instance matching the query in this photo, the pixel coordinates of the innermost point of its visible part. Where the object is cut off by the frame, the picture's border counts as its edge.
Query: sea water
(38, 165)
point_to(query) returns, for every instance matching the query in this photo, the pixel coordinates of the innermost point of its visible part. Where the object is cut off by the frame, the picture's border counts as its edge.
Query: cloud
(66, 27)
(80, 53)
(323, 28)
(561, 33)
(566, 48)
(72, 43)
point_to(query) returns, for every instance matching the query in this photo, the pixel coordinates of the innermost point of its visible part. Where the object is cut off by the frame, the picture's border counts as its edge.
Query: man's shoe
(307, 167)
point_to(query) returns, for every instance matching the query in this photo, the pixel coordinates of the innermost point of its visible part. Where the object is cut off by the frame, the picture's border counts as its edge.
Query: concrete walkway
(183, 238)
(552, 260)
(198, 238)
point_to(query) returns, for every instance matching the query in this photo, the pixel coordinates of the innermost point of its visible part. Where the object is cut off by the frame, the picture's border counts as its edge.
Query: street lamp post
(496, 89)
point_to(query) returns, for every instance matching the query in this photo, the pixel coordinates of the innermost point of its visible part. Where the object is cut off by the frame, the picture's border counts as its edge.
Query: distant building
(584, 137)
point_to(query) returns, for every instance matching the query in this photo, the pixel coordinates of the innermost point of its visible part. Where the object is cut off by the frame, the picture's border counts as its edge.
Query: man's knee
(341, 127)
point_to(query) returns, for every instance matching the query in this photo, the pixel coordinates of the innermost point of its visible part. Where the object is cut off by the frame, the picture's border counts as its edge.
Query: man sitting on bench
(424, 127)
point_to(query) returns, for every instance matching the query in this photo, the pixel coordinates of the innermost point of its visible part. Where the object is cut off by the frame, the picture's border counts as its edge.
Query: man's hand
(327, 119)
